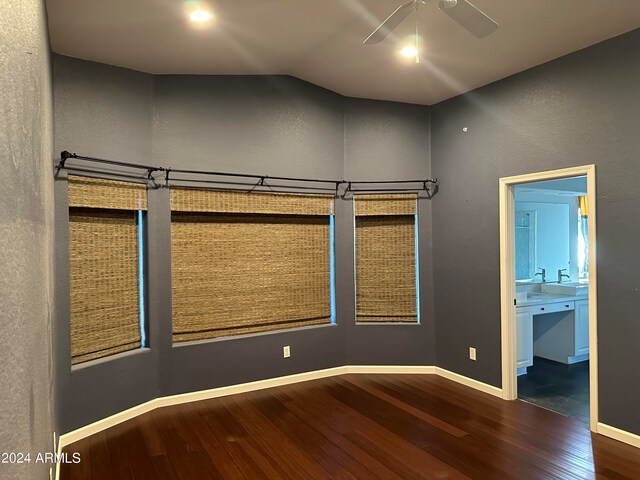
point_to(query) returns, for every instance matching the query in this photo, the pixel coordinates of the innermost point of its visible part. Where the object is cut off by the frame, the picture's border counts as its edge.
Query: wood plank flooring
(354, 427)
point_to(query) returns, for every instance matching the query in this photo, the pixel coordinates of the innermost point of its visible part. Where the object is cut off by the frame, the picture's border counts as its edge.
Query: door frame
(508, 280)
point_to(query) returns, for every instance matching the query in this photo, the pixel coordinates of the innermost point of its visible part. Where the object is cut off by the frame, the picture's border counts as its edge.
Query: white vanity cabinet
(557, 331)
(524, 339)
(581, 334)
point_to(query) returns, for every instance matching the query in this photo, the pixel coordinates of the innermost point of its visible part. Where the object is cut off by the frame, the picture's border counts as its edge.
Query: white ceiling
(321, 41)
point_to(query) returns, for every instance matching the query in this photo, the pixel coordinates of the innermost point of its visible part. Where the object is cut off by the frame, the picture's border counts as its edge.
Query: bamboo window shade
(385, 258)
(104, 284)
(248, 262)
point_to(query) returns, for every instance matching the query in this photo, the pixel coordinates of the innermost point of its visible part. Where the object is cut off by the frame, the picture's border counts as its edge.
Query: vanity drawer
(552, 307)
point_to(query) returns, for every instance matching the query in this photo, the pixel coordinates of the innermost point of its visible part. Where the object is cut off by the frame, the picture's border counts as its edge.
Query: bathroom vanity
(554, 326)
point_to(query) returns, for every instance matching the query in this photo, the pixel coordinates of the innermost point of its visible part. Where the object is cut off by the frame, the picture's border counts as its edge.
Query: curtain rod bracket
(151, 170)
(64, 155)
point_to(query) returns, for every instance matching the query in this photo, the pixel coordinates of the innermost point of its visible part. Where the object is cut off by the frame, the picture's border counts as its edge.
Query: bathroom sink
(535, 295)
(568, 288)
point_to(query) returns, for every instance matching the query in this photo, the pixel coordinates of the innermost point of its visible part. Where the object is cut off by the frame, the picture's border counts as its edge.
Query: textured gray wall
(26, 229)
(270, 125)
(275, 125)
(386, 140)
(111, 106)
(580, 109)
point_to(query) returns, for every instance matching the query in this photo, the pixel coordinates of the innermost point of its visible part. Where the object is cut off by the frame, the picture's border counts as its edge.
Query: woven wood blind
(390, 204)
(238, 273)
(111, 194)
(203, 200)
(386, 258)
(103, 244)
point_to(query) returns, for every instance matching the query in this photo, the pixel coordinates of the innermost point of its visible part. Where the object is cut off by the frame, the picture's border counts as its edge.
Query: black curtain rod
(262, 178)
(65, 155)
(384, 190)
(253, 185)
(428, 180)
(394, 189)
(98, 173)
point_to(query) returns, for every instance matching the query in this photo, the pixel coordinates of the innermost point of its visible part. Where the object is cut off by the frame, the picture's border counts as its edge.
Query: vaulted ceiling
(321, 41)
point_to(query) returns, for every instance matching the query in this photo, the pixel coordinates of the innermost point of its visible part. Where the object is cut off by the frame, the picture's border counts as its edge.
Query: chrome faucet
(562, 275)
(543, 273)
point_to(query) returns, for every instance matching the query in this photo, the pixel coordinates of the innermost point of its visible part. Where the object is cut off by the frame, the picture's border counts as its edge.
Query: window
(248, 262)
(106, 287)
(583, 237)
(386, 256)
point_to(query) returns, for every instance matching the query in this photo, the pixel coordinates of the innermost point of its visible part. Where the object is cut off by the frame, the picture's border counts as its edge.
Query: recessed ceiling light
(200, 16)
(409, 51)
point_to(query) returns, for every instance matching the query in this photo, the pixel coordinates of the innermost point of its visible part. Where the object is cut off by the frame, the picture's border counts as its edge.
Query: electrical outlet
(286, 351)
(472, 354)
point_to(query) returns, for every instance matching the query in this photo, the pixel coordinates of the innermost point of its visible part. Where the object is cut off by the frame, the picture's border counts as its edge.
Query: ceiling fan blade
(392, 21)
(470, 17)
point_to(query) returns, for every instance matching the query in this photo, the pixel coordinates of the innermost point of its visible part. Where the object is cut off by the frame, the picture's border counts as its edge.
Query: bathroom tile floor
(558, 387)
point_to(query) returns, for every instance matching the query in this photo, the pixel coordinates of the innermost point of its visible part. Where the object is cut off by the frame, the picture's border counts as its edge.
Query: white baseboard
(398, 369)
(105, 423)
(469, 382)
(249, 387)
(617, 434)
(289, 379)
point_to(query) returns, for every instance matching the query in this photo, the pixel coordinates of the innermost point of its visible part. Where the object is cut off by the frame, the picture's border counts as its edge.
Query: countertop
(542, 298)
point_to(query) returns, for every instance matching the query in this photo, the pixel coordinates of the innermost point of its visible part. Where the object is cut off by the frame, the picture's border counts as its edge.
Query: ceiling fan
(468, 16)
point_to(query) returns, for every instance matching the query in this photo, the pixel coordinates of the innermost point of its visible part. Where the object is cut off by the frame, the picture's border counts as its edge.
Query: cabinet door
(582, 327)
(524, 339)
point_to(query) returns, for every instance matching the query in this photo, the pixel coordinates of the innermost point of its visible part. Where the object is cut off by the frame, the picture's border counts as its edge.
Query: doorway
(548, 290)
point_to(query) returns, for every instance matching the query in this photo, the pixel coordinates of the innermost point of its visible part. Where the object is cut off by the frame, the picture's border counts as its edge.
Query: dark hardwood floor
(558, 387)
(354, 427)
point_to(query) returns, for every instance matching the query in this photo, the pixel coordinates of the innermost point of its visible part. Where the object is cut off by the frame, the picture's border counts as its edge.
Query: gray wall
(580, 109)
(271, 125)
(26, 229)
(275, 125)
(111, 106)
